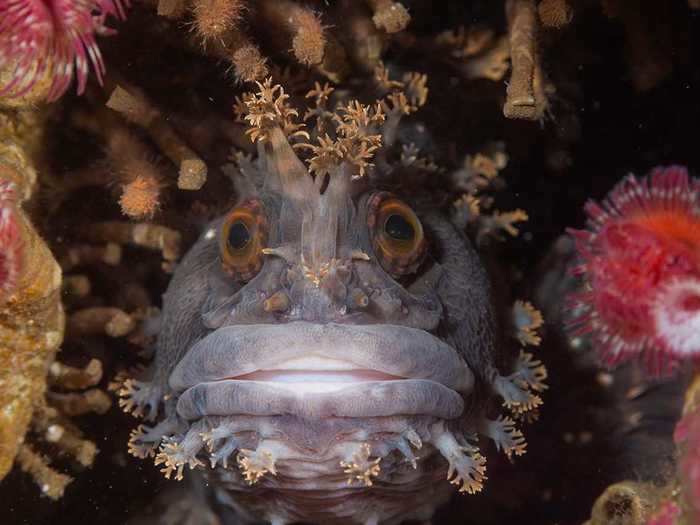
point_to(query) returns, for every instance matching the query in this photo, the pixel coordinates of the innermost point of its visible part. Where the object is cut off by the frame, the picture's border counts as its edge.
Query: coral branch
(52, 483)
(99, 320)
(522, 94)
(214, 18)
(74, 378)
(79, 403)
(146, 235)
(390, 16)
(76, 286)
(173, 9)
(136, 108)
(301, 25)
(56, 429)
(86, 254)
(555, 13)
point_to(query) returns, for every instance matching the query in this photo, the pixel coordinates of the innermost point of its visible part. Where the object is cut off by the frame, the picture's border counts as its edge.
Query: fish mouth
(321, 370)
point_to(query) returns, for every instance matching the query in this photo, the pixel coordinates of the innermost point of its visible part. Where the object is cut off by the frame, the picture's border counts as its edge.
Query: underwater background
(623, 96)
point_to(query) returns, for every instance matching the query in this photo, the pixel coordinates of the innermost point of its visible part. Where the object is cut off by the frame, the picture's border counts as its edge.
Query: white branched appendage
(466, 466)
(519, 389)
(517, 397)
(144, 440)
(254, 464)
(137, 447)
(175, 454)
(403, 444)
(221, 443)
(527, 320)
(506, 436)
(507, 220)
(361, 468)
(530, 372)
(140, 398)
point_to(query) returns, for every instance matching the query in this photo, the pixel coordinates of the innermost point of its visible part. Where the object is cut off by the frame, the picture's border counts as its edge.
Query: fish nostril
(358, 298)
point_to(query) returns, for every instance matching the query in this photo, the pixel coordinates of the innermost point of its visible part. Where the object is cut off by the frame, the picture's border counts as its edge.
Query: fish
(330, 348)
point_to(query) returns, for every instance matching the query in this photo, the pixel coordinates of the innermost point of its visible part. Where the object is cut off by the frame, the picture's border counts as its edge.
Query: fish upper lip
(398, 351)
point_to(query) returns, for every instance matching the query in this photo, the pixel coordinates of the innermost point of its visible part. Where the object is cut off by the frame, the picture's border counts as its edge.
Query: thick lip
(316, 370)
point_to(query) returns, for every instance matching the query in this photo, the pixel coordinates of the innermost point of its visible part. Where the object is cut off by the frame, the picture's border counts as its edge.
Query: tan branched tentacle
(361, 468)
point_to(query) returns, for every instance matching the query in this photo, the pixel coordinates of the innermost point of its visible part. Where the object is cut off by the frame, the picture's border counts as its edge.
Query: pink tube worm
(53, 39)
(640, 259)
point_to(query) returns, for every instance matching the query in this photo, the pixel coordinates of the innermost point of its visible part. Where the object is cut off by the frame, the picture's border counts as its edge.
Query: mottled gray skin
(435, 328)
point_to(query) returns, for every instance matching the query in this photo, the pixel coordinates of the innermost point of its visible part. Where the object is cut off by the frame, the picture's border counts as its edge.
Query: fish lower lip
(330, 399)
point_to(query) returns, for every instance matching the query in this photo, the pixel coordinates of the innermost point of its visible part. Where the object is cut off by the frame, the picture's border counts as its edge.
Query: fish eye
(242, 239)
(238, 235)
(397, 234)
(397, 227)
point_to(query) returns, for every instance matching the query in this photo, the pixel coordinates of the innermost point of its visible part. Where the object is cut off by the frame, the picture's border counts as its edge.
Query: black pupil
(238, 235)
(397, 227)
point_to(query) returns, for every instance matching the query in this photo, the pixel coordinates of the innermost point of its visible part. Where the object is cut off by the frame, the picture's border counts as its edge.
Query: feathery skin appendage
(222, 453)
(527, 320)
(177, 452)
(516, 394)
(530, 372)
(255, 464)
(137, 447)
(361, 468)
(144, 440)
(140, 398)
(466, 466)
(506, 436)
